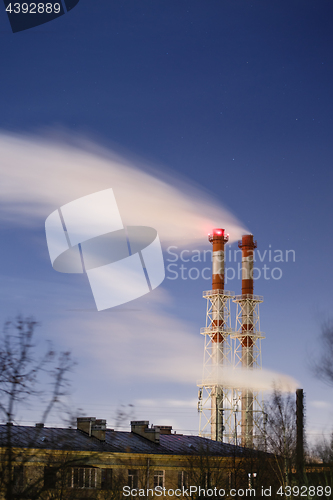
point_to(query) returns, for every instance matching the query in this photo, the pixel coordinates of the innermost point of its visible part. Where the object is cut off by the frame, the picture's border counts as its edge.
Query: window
(158, 478)
(106, 479)
(133, 478)
(18, 476)
(205, 479)
(182, 479)
(82, 477)
(50, 477)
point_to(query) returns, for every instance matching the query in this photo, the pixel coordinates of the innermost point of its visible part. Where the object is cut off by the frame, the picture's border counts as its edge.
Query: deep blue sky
(233, 94)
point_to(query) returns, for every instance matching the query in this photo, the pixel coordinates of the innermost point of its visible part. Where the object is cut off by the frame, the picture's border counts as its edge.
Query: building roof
(49, 438)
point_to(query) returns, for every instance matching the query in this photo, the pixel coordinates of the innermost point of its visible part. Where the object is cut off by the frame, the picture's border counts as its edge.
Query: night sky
(233, 97)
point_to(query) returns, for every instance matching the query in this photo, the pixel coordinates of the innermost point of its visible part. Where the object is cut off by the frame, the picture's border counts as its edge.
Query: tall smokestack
(247, 245)
(247, 350)
(214, 404)
(218, 240)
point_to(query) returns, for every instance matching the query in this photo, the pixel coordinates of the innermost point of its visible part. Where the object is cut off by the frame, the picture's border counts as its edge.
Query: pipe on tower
(218, 240)
(247, 245)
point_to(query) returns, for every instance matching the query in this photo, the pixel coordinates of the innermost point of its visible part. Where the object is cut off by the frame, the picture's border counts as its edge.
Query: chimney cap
(165, 429)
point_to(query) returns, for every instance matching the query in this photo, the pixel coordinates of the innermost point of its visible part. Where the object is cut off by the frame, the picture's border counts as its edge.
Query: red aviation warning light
(218, 233)
(218, 239)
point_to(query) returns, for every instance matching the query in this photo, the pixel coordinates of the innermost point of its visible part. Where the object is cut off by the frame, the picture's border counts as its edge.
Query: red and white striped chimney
(247, 245)
(218, 240)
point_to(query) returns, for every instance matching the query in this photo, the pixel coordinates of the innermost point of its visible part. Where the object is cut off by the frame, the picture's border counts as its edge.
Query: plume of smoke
(38, 175)
(256, 380)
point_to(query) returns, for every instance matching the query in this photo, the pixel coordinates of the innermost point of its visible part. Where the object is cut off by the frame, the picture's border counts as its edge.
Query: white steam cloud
(257, 380)
(38, 175)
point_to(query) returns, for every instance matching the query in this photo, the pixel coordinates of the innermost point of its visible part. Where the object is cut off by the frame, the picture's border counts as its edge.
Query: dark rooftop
(115, 442)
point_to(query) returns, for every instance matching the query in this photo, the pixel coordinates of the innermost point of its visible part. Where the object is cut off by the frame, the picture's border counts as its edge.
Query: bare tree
(124, 414)
(22, 371)
(22, 374)
(323, 368)
(323, 450)
(281, 434)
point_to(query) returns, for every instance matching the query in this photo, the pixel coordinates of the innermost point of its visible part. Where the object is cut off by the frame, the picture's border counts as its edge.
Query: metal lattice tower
(227, 413)
(248, 404)
(215, 400)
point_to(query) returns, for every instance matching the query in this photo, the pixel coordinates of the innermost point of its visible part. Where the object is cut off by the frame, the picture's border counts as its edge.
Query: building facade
(94, 462)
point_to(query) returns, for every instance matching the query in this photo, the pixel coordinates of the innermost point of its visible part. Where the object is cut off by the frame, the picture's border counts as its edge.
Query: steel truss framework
(229, 414)
(247, 313)
(248, 404)
(215, 401)
(248, 425)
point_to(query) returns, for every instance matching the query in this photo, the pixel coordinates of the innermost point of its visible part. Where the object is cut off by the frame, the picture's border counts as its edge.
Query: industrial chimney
(247, 348)
(214, 399)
